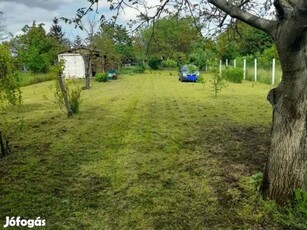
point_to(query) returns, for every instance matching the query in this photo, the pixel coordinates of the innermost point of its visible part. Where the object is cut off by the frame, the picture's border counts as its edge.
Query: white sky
(18, 13)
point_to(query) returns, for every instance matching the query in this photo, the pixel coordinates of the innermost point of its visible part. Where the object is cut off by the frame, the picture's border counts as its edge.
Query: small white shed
(74, 65)
(77, 62)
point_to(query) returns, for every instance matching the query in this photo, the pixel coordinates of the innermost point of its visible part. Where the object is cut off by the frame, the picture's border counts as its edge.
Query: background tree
(56, 31)
(203, 52)
(58, 41)
(240, 39)
(170, 37)
(34, 49)
(90, 28)
(77, 43)
(115, 45)
(121, 38)
(9, 93)
(111, 57)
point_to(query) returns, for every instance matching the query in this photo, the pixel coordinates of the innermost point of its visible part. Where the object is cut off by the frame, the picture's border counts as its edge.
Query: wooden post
(220, 68)
(88, 71)
(255, 71)
(244, 69)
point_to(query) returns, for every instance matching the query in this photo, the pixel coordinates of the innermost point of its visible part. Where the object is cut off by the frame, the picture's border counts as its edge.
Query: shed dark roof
(82, 50)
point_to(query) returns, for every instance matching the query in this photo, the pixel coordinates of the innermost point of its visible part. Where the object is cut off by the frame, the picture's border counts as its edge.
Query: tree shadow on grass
(241, 152)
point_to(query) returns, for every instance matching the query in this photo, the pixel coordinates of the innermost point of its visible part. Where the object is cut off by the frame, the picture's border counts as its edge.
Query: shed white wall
(74, 65)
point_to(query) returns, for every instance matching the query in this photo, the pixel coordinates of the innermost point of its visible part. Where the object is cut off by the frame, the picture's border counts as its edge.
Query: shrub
(154, 63)
(101, 77)
(169, 63)
(192, 68)
(293, 216)
(74, 98)
(139, 69)
(73, 91)
(233, 75)
(200, 79)
(217, 82)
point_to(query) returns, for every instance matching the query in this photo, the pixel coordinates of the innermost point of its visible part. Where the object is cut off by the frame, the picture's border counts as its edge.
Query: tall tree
(242, 39)
(170, 37)
(111, 57)
(122, 41)
(77, 43)
(58, 41)
(90, 28)
(34, 48)
(56, 30)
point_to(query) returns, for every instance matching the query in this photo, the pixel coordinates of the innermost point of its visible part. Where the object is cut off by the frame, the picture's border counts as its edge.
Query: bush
(73, 91)
(154, 63)
(169, 63)
(233, 75)
(74, 98)
(218, 83)
(200, 79)
(139, 69)
(101, 77)
(293, 216)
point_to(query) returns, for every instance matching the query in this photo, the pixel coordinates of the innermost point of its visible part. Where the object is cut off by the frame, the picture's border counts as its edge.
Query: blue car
(188, 73)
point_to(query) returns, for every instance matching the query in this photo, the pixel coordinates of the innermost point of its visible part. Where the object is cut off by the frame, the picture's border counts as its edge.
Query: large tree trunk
(286, 166)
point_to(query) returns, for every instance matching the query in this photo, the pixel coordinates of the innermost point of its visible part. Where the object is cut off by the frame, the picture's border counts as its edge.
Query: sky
(18, 13)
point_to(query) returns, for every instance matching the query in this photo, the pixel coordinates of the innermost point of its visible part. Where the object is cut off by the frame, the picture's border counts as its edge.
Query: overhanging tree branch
(234, 11)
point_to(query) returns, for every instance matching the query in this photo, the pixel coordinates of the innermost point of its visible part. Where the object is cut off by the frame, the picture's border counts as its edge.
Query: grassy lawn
(145, 152)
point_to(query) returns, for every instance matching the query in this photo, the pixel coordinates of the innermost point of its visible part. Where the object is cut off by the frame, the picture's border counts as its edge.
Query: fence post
(255, 75)
(273, 71)
(244, 69)
(226, 62)
(234, 63)
(220, 68)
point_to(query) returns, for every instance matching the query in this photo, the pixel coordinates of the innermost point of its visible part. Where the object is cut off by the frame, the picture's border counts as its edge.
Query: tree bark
(2, 146)
(88, 71)
(287, 160)
(65, 96)
(286, 165)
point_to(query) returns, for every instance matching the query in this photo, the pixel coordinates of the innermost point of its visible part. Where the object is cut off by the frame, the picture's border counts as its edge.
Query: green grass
(264, 75)
(26, 79)
(144, 152)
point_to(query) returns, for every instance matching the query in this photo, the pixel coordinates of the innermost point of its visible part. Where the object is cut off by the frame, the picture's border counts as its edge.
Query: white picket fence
(255, 69)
